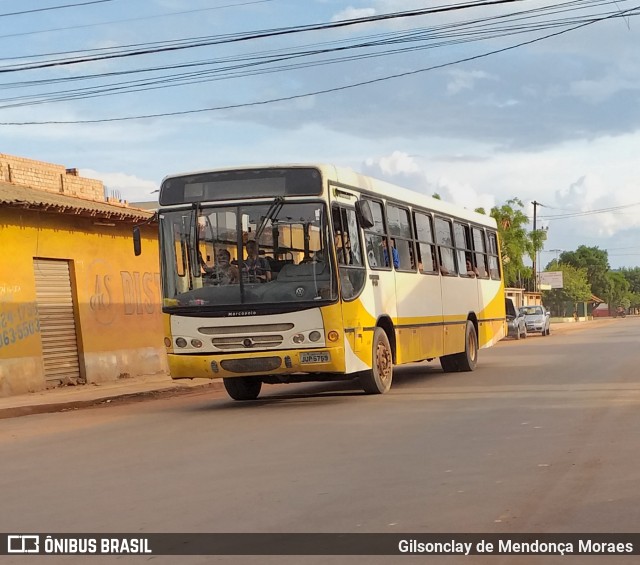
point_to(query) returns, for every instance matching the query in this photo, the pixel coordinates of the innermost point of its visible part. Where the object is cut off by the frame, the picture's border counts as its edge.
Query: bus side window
(423, 224)
(444, 239)
(348, 252)
(375, 238)
(494, 264)
(463, 249)
(480, 252)
(401, 238)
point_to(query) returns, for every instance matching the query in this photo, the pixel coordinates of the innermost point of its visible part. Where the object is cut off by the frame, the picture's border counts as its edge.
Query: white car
(516, 324)
(537, 319)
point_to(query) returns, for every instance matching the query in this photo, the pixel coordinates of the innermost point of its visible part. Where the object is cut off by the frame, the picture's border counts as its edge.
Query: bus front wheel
(243, 388)
(378, 379)
(468, 359)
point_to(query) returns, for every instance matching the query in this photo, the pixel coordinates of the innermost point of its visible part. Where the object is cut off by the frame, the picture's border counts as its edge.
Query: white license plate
(315, 357)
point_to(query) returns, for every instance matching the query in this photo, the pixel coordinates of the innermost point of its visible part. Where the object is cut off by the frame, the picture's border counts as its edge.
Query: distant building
(76, 305)
(521, 297)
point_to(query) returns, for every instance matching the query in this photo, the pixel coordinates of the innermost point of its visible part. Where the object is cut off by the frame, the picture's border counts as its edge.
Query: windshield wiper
(272, 212)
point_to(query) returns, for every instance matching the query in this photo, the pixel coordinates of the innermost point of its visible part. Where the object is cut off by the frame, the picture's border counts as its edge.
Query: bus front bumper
(281, 362)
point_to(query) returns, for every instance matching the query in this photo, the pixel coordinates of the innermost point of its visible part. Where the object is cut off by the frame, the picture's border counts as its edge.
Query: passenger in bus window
(471, 270)
(394, 254)
(225, 271)
(254, 267)
(443, 269)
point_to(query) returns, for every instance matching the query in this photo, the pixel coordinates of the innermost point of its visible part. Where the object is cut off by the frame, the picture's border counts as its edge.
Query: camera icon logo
(23, 544)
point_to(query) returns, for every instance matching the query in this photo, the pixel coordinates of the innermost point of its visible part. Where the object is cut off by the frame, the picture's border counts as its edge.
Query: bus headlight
(298, 338)
(196, 343)
(181, 342)
(315, 336)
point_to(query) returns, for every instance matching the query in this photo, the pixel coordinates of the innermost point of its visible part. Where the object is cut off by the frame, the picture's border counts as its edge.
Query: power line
(53, 8)
(328, 90)
(243, 66)
(255, 35)
(571, 5)
(251, 64)
(168, 14)
(612, 209)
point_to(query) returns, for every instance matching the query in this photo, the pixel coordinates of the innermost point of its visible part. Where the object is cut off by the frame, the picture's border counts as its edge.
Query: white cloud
(398, 163)
(590, 193)
(127, 187)
(583, 193)
(567, 180)
(465, 80)
(404, 170)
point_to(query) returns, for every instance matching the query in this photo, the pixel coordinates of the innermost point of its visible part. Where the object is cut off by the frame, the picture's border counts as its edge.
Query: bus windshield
(218, 257)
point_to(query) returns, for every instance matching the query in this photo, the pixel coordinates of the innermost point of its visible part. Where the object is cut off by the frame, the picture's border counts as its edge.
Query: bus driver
(254, 267)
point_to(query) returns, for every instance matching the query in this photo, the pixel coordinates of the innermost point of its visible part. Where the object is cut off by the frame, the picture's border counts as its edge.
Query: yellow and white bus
(296, 273)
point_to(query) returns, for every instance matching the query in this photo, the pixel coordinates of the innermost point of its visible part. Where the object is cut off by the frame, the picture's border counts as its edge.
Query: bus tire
(243, 388)
(378, 379)
(468, 359)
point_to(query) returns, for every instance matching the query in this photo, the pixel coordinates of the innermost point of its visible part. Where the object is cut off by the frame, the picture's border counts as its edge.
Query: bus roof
(359, 181)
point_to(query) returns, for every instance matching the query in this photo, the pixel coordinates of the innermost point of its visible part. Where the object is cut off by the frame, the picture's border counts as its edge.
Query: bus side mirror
(137, 241)
(364, 214)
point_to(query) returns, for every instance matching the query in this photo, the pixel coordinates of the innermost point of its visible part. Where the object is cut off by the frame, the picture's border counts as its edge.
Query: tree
(633, 278)
(616, 291)
(596, 263)
(515, 241)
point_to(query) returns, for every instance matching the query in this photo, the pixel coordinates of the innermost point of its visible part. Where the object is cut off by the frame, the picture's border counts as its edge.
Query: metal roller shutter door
(54, 296)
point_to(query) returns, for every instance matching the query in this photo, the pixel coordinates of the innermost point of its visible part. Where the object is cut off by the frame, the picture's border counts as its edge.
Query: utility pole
(535, 251)
(556, 251)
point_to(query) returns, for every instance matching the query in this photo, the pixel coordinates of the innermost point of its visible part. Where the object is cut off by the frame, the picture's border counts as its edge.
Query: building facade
(76, 305)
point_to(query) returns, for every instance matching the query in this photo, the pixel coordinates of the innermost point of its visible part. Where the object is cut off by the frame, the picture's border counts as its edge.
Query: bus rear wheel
(243, 388)
(468, 359)
(378, 379)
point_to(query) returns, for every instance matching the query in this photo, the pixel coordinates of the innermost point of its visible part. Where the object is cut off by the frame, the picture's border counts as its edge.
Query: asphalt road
(542, 437)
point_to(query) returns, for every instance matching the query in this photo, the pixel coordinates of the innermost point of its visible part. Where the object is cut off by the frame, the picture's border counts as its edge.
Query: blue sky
(552, 119)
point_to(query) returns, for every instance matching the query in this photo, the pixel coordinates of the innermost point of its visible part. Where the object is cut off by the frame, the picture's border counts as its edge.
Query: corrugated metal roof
(23, 197)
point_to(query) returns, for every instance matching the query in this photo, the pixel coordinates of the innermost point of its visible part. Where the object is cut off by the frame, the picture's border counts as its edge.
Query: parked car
(516, 326)
(537, 319)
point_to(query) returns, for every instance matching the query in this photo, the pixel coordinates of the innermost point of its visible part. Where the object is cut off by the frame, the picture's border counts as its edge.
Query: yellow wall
(118, 318)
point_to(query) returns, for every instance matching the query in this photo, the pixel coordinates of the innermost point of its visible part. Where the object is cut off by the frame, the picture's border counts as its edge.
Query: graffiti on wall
(9, 290)
(131, 293)
(141, 292)
(18, 320)
(101, 301)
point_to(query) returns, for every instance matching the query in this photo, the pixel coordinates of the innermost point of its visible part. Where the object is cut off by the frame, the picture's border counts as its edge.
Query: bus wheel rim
(471, 346)
(383, 362)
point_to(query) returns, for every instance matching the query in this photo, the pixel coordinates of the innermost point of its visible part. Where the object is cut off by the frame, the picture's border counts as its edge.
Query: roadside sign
(551, 278)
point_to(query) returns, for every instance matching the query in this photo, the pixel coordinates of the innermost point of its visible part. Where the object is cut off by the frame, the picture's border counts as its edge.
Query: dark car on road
(537, 319)
(516, 326)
